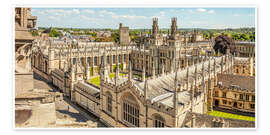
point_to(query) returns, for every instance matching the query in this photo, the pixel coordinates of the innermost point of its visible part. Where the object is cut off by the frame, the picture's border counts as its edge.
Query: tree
(34, 33)
(55, 33)
(115, 37)
(244, 37)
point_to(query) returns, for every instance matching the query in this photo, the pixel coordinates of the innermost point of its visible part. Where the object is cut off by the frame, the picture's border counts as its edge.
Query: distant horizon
(149, 28)
(141, 18)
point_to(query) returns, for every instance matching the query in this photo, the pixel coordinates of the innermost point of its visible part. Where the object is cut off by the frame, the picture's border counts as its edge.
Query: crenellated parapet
(234, 88)
(160, 107)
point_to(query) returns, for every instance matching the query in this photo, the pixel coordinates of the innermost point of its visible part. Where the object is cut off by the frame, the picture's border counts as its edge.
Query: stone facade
(176, 78)
(124, 35)
(245, 49)
(235, 93)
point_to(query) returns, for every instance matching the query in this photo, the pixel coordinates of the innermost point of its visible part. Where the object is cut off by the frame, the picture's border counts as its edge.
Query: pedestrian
(68, 108)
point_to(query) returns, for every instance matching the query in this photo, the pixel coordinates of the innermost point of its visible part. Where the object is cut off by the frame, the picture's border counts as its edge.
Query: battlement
(161, 107)
(234, 88)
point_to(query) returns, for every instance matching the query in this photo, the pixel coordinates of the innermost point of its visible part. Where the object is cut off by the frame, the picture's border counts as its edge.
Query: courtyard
(96, 80)
(230, 115)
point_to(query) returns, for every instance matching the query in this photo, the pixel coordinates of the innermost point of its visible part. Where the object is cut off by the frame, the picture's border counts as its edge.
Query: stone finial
(209, 66)
(130, 71)
(146, 88)
(175, 98)
(163, 69)
(214, 65)
(193, 121)
(153, 69)
(193, 61)
(143, 73)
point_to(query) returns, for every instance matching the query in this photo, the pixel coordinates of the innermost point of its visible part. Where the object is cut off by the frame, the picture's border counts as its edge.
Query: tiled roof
(243, 82)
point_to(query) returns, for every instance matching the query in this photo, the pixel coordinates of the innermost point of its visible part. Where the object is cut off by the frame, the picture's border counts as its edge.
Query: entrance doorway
(216, 103)
(235, 104)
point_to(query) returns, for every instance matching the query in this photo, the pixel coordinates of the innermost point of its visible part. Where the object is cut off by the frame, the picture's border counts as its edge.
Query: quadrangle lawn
(230, 115)
(96, 80)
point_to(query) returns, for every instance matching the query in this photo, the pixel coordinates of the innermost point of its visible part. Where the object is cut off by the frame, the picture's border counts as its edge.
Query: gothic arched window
(158, 121)
(109, 103)
(130, 111)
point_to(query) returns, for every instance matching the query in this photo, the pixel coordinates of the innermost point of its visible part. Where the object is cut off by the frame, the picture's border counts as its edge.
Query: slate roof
(243, 82)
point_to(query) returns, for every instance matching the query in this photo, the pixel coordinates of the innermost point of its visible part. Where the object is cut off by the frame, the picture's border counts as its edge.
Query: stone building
(124, 35)
(245, 49)
(24, 21)
(176, 79)
(235, 93)
(157, 52)
(244, 66)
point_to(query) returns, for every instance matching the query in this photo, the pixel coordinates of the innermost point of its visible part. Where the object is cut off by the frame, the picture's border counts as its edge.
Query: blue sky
(142, 17)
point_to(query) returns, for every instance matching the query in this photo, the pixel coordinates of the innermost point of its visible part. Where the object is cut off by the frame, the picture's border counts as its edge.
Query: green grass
(96, 80)
(229, 115)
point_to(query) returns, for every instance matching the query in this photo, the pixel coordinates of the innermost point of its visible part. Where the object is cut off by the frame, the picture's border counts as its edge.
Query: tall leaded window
(158, 121)
(88, 60)
(95, 61)
(113, 59)
(119, 59)
(109, 103)
(125, 57)
(108, 59)
(74, 61)
(130, 111)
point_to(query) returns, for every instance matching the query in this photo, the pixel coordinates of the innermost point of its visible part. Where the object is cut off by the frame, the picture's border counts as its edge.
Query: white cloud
(115, 16)
(190, 11)
(53, 18)
(76, 11)
(201, 10)
(106, 12)
(211, 11)
(162, 13)
(88, 11)
(61, 12)
(236, 15)
(198, 22)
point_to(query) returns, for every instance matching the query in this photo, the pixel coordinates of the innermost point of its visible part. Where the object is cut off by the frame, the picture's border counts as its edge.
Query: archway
(216, 103)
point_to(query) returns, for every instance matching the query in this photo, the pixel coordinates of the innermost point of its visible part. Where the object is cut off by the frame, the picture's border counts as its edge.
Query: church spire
(146, 88)
(163, 69)
(153, 69)
(129, 71)
(175, 97)
(143, 73)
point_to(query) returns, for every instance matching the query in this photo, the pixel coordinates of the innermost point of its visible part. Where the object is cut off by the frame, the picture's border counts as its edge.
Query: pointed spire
(153, 69)
(209, 66)
(193, 61)
(129, 71)
(192, 90)
(196, 73)
(146, 88)
(143, 73)
(186, 60)
(105, 57)
(214, 65)
(175, 98)
(116, 75)
(203, 69)
(163, 69)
